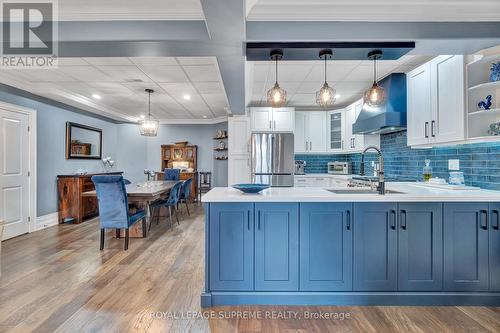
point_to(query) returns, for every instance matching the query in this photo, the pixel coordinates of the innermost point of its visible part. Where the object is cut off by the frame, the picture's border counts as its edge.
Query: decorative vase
(495, 72)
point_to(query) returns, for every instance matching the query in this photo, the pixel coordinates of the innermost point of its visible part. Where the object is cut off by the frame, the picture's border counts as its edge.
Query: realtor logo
(29, 31)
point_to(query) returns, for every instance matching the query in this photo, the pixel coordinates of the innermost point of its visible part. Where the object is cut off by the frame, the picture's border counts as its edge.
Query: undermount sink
(362, 191)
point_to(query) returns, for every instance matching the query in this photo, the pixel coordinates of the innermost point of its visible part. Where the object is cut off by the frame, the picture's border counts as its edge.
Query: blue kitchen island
(309, 246)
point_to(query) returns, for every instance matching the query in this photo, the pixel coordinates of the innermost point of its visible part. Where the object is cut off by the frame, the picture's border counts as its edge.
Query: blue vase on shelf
(495, 72)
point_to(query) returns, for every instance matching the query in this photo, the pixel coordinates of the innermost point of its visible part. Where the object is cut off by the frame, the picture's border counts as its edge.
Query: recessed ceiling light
(96, 96)
(337, 96)
(187, 97)
(204, 116)
(142, 116)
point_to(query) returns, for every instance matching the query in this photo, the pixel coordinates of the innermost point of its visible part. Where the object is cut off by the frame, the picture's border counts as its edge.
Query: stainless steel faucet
(380, 172)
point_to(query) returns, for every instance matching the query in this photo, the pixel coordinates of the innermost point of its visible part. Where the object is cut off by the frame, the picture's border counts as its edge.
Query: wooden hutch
(183, 156)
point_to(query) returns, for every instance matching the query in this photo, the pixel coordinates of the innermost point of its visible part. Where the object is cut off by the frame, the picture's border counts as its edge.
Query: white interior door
(14, 167)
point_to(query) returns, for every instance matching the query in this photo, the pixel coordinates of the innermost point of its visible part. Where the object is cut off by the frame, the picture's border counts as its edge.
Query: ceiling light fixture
(149, 126)
(276, 96)
(187, 97)
(375, 96)
(326, 95)
(96, 96)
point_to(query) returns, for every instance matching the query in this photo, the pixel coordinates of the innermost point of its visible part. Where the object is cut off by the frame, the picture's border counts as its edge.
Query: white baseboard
(46, 221)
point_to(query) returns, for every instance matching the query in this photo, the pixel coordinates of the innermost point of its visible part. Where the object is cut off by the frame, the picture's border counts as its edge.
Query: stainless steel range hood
(389, 118)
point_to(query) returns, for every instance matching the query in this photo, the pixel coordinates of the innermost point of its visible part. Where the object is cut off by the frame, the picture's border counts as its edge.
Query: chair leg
(170, 215)
(126, 239)
(176, 217)
(101, 247)
(117, 233)
(144, 226)
(158, 211)
(187, 207)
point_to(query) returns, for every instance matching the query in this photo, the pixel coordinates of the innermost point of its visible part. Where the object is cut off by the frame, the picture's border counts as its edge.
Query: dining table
(143, 194)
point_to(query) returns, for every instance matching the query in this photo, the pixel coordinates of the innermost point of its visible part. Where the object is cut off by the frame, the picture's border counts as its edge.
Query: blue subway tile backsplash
(480, 162)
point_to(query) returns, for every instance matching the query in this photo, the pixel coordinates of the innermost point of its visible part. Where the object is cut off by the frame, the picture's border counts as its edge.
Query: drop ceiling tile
(335, 72)
(365, 73)
(46, 75)
(110, 88)
(178, 89)
(202, 73)
(197, 60)
(302, 99)
(71, 62)
(165, 73)
(124, 73)
(293, 72)
(262, 72)
(149, 61)
(108, 61)
(209, 87)
(85, 73)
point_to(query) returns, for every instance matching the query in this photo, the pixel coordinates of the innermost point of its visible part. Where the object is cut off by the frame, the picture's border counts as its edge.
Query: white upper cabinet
(310, 131)
(418, 83)
(316, 129)
(265, 119)
(448, 111)
(336, 124)
(436, 108)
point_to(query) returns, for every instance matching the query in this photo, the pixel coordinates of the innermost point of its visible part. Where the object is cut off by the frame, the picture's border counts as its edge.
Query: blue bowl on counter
(250, 188)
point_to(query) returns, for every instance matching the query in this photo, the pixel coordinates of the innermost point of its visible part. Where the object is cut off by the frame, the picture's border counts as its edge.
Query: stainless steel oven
(339, 168)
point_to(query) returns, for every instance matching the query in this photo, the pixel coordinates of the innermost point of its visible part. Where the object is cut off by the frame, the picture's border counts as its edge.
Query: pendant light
(326, 95)
(149, 126)
(276, 96)
(375, 96)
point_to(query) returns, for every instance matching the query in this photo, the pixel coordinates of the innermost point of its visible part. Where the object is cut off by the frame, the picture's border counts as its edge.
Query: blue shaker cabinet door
(325, 246)
(420, 247)
(276, 246)
(375, 247)
(231, 246)
(494, 242)
(466, 246)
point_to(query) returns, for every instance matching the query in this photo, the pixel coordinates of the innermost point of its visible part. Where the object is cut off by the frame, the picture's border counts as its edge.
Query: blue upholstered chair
(171, 174)
(186, 193)
(113, 207)
(170, 203)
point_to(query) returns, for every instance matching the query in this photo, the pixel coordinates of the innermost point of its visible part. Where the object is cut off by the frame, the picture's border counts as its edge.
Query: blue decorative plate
(250, 188)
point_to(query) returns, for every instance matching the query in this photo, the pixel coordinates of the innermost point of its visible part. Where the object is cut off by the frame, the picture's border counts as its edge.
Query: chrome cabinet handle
(348, 222)
(403, 219)
(310, 145)
(258, 220)
(270, 124)
(393, 219)
(433, 125)
(342, 144)
(248, 220)
(497, 224)
(426, 129)
(274, 124)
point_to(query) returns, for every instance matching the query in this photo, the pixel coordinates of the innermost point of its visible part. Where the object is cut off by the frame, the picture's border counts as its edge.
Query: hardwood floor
(57, 280)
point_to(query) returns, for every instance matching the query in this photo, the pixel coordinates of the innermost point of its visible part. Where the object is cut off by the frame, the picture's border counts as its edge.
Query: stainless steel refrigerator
(272, 159)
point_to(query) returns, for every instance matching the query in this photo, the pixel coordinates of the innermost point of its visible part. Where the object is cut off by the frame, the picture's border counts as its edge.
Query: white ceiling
(120, 83)
(109, 10)
(301, 79)
(373, 11)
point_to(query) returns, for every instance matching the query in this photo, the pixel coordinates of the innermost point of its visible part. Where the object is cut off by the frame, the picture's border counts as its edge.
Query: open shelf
(489, 85)
(485, 112)
(220, 149)
(221, 138)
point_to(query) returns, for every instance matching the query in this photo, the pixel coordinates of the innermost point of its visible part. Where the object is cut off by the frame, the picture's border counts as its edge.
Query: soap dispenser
(427, 171)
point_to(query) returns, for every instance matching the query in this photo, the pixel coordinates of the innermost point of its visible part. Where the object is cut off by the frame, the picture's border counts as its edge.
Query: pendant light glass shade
(276, 96)
(375, 96)
(149, 126)
(326, 95)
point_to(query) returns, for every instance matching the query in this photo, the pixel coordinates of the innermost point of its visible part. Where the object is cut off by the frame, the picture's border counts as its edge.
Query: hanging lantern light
(149, 126)
(276, 96)
(375, 96)
(326, 95)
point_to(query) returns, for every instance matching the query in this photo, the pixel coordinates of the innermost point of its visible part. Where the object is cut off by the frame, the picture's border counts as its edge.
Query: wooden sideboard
(71, 205)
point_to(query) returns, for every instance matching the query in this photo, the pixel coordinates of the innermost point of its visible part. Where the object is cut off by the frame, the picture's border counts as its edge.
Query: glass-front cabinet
(336, 130)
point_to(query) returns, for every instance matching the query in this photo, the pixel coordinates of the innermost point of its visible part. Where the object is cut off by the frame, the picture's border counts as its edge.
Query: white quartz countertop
(411, 193)
(324, 175)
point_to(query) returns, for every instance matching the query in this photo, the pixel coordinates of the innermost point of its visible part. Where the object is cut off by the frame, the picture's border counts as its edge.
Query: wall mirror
(83, 142)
